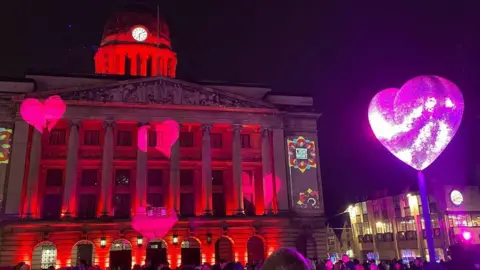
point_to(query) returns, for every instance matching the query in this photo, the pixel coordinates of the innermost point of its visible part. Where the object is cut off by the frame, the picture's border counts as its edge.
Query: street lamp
(103, 242)
(175, 239)
(209, 238)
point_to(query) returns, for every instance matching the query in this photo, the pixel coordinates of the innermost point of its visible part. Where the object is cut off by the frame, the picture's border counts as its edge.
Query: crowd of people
(290, 259)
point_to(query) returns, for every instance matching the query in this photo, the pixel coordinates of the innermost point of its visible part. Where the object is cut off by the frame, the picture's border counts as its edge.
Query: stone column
(237, 168)
(33, 174)
(71, 171)
(107, 164)
(206, 169)
(174, 185)
(268, 188)
(141, 179)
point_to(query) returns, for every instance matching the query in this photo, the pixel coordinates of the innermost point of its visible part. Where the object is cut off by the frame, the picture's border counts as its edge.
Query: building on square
(243, 175)
(392, 227)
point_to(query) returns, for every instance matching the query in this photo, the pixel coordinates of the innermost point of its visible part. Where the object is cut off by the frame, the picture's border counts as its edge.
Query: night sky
(341, 52)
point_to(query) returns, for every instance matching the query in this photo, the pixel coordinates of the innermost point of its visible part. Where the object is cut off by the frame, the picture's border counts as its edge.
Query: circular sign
(456, 197)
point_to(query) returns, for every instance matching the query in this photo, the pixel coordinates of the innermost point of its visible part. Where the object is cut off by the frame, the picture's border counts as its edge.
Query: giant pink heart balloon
(167, 133)
(417, 121)
(42, 115)
(154, 222)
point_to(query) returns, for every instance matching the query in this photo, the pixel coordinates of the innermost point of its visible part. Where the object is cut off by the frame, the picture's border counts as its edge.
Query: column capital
(206, 127)
(265, 130)
(74, 123)
(237, 127)
(109, 123)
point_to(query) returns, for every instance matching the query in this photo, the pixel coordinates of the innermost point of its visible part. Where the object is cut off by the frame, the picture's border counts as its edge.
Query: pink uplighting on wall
(416, 122)
(268, 188)
(166, 134)
(43, 115)
(467, 235)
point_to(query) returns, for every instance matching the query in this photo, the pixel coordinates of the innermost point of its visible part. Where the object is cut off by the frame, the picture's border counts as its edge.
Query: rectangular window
(57, 137)
(186, 139)
(152, 138)
(245, 140)
(122, 206)
(124, 138)
(187, 204)
(91, 137)
(154, 178)
(186, 178)
(54, 178)
(384, 227)
(216, 140)
(247, 181)
(87, 206)
(122, 178)
(155, 200)
(248, 205)
(217, 177)
(52, 206)
(406, 224)
(218, 204)
(89, 178)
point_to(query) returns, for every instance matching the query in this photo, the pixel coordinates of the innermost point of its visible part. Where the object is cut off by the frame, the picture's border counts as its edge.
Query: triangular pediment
(154, 91)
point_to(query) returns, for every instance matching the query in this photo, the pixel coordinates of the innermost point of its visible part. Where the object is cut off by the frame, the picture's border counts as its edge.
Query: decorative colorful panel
(308, 199)
(301, 153)
(5, 145)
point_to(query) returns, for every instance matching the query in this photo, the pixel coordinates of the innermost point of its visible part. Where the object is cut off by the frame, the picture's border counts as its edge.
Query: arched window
(128, 65)
(149, 66)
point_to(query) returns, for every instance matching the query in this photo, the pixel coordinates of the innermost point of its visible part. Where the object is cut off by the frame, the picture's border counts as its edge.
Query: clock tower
(136, 42)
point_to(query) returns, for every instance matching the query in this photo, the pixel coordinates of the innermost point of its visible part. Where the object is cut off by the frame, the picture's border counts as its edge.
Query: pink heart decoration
(167, 133)
(154, 222)
(43, 115)
(417, 122)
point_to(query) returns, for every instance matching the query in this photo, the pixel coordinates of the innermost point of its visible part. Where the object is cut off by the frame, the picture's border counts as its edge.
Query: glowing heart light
(416, 122)
(167, 133)
(154, 222)
(42, 115)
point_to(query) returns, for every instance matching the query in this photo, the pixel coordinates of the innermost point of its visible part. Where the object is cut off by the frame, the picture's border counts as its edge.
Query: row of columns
(142, 168)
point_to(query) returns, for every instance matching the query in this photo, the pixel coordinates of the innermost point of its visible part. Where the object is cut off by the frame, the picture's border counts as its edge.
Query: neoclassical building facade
(243, 176)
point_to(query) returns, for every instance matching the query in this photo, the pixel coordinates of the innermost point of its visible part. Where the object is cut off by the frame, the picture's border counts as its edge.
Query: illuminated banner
(302, 163)
(5, 144)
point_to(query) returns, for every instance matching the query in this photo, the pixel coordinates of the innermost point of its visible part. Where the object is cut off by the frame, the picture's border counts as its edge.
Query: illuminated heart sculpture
(167, 133)
(416, 122)
(154, 222)
(42, 115)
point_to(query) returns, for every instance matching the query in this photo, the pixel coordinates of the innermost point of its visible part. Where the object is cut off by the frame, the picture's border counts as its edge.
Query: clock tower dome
(136, 41)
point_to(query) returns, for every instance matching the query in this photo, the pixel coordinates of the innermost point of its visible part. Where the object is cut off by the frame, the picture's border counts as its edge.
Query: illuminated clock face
(139, 34)
(456, 197)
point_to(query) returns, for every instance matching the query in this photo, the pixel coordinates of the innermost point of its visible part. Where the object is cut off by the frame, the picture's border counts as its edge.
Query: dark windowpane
(187, 204)
(54, 178)
(128, 65)
(87, 207)
(218, 204)
(57, 137)
(154, 178)
(186, 178)
(155, 200)
(122, 205)
(217, 177)
(92, 137)
(52, 206)
(89, 178)
(186, 139)
(245, 140)
(216, 140)
(122, 178)
(152, 138)
(248, 204)
(124, 138)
